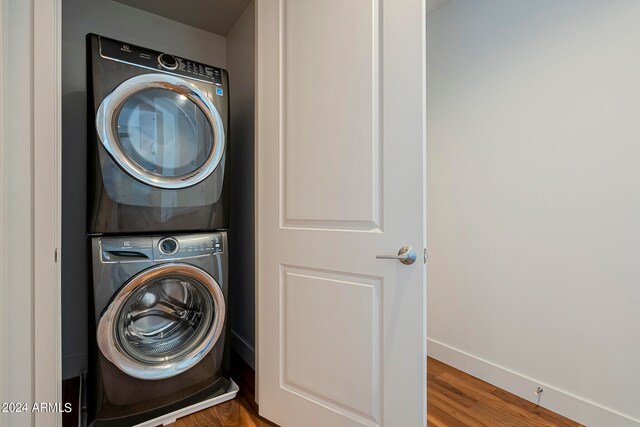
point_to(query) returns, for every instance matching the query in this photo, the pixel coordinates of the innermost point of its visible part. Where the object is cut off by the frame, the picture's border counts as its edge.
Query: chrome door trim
(110, 348)
(106, 126)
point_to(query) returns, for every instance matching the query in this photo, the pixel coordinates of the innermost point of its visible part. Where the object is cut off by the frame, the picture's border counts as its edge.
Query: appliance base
(204, 404)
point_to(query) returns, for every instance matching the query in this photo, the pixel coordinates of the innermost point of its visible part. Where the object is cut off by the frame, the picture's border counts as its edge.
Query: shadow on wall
(74, 248)
(520, 32)
(242, 235)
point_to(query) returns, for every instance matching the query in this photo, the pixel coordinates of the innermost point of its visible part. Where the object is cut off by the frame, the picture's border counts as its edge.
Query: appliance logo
(219, 91)
(126, 244)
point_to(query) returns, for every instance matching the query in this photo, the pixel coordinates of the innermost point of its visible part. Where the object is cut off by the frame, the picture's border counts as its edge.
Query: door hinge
(55, 255)
(425, 255)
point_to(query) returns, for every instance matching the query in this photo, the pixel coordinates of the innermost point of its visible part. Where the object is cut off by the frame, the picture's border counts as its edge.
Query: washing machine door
(162, 322)
(162, 130)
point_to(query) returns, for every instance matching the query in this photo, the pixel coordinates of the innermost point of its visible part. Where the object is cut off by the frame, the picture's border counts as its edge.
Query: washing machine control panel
(184, 246)
(154, 60)
(143, 248)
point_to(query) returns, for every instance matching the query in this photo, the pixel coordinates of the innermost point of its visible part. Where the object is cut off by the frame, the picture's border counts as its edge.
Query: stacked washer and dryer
(158, 214)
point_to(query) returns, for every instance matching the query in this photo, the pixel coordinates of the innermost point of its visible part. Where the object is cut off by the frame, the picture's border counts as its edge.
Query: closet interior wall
(241, 67)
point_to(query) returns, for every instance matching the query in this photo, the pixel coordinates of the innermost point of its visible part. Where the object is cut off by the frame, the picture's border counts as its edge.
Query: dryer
(158, 132)
(159, 304)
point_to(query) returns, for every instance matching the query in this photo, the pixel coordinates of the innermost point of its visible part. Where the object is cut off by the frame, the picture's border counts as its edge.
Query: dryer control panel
(154, 60)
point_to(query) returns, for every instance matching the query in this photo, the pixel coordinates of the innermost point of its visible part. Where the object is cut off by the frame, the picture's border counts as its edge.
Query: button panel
(147, 249)
(147, 58)
(190, 246)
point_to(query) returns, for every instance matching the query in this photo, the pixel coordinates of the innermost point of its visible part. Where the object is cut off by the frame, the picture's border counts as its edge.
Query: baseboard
(244, 349)
(559, 401)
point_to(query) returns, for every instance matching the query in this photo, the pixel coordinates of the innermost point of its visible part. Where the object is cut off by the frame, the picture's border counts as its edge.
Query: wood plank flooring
(455, 399)
(239, 412)
(233, 413)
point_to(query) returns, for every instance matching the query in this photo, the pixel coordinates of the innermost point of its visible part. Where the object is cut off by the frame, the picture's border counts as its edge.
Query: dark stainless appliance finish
(159, 332)
(158, 137)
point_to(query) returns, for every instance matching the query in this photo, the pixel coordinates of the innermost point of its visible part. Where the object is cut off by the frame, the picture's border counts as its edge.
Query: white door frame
(30, 202)
(3, 280)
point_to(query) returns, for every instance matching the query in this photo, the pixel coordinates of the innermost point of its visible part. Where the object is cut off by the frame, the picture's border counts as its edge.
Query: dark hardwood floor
(455, 399)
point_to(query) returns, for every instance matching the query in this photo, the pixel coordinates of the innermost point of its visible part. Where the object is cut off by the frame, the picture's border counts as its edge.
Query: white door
(340, 158)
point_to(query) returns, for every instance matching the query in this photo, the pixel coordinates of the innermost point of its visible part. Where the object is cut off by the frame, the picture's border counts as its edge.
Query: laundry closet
(220, 36)
(326, 257)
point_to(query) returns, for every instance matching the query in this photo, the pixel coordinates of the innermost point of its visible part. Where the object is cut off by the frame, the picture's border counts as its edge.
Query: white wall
(241, 67)
(534, 208)
(116, 20)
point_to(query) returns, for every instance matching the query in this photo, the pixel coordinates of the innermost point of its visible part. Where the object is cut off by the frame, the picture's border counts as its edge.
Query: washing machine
(159, 305)
(157, 134)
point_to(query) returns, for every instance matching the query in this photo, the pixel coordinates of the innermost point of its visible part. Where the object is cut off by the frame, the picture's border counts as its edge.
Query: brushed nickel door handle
(406, 255)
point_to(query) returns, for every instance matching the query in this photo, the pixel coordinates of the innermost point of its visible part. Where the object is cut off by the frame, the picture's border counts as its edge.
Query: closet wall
(121, 22)
(241, 67)
(533, 207)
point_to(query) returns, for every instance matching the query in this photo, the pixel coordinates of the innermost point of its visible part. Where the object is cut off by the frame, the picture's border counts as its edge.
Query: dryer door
(161, 130)
(162, 322)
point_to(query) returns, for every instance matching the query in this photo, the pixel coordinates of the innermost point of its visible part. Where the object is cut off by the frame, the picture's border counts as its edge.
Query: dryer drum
(162, 322)
(161, 130)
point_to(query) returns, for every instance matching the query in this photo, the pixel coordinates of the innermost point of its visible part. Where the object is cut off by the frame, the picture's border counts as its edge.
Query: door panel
(161, 130)
(164, 133)
(162, 322)
(331, 102)
(338, 369)
(340, 179)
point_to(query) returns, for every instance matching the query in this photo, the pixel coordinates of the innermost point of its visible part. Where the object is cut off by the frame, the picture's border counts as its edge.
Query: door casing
(30, 203)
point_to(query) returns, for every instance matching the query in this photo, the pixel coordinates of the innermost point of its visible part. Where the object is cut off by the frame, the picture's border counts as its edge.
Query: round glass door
(164, 133)
(161, 130)
(164, 321)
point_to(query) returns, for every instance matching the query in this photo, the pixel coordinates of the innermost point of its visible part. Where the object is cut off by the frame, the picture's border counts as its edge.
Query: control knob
(168, 246)
(168, 61)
